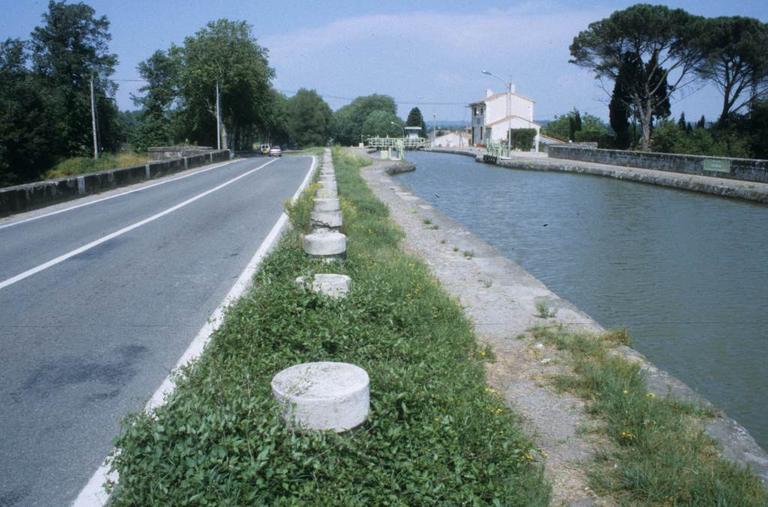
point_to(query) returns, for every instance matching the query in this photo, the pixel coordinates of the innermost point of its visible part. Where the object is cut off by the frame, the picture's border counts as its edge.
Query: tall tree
(276, 129)
(309, 118)
(382, 123)
(70, 48)
(416, 119)
(26, 130)
(619, 109)
(342, 129)
(225, 52)
(161, 74)
(735, 60)
(347, 123)
(662, 40)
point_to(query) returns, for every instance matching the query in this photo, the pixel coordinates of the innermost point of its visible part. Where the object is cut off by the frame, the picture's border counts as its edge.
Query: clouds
(437, 56)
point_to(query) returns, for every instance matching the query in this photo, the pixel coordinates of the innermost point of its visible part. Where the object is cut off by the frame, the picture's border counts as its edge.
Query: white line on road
(104, 239)
(93, 494)
(162, 182)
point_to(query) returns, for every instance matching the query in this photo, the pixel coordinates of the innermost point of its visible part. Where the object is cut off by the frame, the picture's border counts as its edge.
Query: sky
(428, 53)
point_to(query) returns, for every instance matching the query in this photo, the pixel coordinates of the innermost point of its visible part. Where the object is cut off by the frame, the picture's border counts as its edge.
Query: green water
(686, 273)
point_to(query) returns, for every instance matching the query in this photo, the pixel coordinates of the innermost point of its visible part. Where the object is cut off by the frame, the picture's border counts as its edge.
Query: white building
(452, 140)
(412, 132)
(490, 121)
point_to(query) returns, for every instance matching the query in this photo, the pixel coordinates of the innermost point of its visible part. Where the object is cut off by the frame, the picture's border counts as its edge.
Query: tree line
(651, 53)
(45, 96)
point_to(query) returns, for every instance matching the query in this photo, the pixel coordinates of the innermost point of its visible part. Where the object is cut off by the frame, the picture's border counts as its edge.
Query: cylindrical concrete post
(326, 193)
(327, 204)
(325, 244)
(323, 396)
(331, 285)
(327, 219)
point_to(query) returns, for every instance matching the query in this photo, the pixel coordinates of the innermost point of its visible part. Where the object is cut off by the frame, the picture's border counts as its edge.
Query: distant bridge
(398, 143)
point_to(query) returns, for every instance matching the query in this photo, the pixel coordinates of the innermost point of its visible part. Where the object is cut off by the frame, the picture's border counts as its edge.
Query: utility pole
(93, 123)
(218, 117)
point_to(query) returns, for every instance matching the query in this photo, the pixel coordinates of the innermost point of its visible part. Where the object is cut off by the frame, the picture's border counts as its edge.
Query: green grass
(436, 435)
(661, 454)
(83, 165)
(544, 312)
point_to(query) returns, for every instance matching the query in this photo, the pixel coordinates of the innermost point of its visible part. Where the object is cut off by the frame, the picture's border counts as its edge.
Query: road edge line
(93, 493)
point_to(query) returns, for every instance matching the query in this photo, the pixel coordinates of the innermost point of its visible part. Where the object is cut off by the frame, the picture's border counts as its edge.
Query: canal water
(685, 273)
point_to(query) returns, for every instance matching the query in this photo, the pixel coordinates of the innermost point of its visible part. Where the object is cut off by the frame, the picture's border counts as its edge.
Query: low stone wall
(733, 168)
(468, 152)
(29, 196)
(174, 152)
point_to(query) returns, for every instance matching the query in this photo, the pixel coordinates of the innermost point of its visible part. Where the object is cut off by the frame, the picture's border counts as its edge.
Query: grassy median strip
(435, 434)
(661, 455)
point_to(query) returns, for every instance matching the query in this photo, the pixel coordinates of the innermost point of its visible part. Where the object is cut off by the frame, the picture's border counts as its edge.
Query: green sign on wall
(717, 165)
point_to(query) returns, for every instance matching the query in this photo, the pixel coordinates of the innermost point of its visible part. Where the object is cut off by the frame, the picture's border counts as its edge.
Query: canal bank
(505, 302)
(735, 189)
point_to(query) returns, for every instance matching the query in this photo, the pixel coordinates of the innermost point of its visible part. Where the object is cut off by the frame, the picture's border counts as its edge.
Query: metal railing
(383, 143)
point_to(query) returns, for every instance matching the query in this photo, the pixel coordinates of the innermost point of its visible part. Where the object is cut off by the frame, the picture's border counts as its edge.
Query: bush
(522, 139)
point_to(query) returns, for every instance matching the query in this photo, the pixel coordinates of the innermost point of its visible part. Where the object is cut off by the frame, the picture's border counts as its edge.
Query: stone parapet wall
(174, 152)
(733, 168)
(29, 196)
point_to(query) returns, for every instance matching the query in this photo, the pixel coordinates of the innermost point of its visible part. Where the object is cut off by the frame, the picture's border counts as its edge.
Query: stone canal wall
(723, 187)
(734, 168)
(29, 196)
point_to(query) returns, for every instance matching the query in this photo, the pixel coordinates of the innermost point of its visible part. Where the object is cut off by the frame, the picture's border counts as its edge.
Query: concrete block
(331, 285)
(326, 193)
(327, 219)
(323, 396)
(327, 204)
(329, 185)
(325, 244)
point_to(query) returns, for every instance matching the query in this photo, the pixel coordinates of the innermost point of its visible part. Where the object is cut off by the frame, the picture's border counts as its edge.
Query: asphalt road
(88, 334)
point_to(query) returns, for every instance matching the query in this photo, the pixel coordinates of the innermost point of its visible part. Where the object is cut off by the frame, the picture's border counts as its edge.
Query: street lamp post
(397, 125)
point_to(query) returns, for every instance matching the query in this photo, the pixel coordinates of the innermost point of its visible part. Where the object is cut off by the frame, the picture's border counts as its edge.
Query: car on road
(264, 149)
(275, 151)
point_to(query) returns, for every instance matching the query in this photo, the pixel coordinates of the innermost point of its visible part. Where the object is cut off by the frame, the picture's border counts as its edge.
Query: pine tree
(415, 119)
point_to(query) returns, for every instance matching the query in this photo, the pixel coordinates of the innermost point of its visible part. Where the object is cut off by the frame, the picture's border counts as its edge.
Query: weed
(543, 311)
(84, 165)
(299, 211)
(468, 254)
(662, 455)
(455, 249)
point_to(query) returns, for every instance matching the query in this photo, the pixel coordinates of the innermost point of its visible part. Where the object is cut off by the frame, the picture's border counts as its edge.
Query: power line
(334, 97)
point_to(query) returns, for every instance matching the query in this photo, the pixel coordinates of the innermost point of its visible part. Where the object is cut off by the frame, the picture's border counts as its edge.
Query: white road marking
(104, 239)
(162, 182)
(93, 494)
